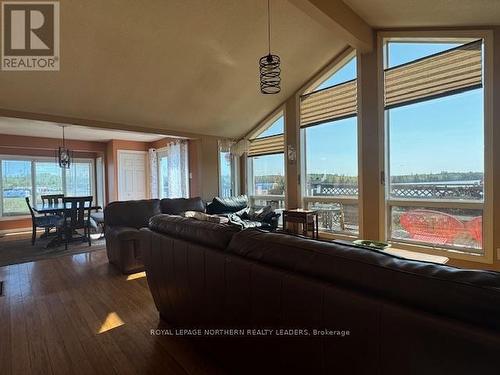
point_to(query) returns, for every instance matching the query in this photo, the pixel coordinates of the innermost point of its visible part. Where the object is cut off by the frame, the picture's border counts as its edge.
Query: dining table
(57, 208)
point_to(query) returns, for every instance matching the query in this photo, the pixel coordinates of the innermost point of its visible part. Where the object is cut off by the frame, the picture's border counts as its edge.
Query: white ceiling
(31, 128)
(427, 13)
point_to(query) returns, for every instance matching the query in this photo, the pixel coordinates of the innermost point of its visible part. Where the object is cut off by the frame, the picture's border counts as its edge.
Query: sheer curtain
(153, 173)
(174, 170)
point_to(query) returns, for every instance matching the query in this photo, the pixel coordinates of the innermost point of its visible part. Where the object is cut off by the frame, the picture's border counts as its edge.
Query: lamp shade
(270, 70)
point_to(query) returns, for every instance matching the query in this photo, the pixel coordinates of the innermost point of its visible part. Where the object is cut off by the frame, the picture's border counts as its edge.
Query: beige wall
(203, 165)
(208, 167)
(112, 148)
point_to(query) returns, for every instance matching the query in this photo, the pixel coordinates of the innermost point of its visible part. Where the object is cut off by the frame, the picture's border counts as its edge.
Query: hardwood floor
(77, 315)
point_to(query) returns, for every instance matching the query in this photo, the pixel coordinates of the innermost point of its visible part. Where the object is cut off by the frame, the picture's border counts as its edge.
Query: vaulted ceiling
(189, 65)
(192, 65)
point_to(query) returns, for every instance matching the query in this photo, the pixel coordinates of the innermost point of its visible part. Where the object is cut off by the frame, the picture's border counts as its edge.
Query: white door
(132, 175)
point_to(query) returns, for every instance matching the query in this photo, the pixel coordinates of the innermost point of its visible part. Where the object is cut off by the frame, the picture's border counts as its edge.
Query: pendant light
(64, 154)
(269, 65)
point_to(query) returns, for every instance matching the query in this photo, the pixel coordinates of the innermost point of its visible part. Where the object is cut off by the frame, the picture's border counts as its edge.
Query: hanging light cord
(269, 25)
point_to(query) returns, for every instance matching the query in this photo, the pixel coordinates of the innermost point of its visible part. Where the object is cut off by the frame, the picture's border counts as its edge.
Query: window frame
(336, 65)
(33, 160)
(386, 202)
(248, 160)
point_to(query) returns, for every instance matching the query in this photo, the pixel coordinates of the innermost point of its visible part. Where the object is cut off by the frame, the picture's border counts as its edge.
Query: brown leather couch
(123, 219)
(403, 316)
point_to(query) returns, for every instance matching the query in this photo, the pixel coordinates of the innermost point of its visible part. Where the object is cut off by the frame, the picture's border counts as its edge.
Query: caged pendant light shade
(64, 154)
(269, 65)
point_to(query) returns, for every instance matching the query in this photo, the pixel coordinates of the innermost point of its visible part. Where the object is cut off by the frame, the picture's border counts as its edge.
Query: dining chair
(46, 222)
(76, 215)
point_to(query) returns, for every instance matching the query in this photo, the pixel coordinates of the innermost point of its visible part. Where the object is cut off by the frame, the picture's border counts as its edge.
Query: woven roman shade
(445, 73)
(267, 145)
(332, 103)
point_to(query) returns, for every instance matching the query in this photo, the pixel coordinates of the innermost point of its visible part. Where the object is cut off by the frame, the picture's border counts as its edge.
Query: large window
(48, 179)
(266, 166)
(30, 177)
(79, 178)
(330, 150)
(16, 185)
(435, 180)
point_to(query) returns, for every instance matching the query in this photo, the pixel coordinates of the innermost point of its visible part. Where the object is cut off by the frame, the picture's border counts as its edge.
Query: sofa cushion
(201, 232)
(227, 205)
(469, 295)
(176, 206)
(133, 214)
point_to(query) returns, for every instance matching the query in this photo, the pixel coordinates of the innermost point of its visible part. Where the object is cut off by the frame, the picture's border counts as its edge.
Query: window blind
(267, 145)
(445, 73)
(332, 103)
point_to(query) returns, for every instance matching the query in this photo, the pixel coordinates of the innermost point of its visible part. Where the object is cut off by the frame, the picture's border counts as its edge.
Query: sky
(438, 135)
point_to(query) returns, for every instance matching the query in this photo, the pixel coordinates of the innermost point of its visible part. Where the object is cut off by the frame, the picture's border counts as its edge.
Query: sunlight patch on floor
(112, 321)
(135, 276)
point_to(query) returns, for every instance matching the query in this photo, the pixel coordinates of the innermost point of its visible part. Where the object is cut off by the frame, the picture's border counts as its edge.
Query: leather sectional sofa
(402, 316)
(124, 219)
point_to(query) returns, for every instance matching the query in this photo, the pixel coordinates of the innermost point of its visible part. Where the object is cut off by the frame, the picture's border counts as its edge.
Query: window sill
(337, 236)
(484, 257)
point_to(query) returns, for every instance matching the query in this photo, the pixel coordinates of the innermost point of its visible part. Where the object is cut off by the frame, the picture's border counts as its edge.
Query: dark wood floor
(76, 315)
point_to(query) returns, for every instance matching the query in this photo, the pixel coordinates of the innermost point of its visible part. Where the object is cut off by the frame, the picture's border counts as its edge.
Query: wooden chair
(52, 198)
(76, 216)
(45, 222)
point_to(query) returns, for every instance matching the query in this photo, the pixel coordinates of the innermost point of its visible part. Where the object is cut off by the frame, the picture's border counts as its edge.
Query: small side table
(304, 217)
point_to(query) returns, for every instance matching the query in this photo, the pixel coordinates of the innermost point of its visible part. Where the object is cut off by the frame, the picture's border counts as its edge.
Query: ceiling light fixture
(269, 65)
(63, 153)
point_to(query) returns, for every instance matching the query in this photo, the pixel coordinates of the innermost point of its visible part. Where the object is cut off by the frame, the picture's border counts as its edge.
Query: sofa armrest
(123, 233)
(123, 247)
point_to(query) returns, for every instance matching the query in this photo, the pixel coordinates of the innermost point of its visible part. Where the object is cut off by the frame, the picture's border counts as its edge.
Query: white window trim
(488, 251)
(33, 160)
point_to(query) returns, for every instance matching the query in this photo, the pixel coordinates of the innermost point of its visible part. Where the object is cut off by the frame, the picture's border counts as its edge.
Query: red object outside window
(431, 226)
